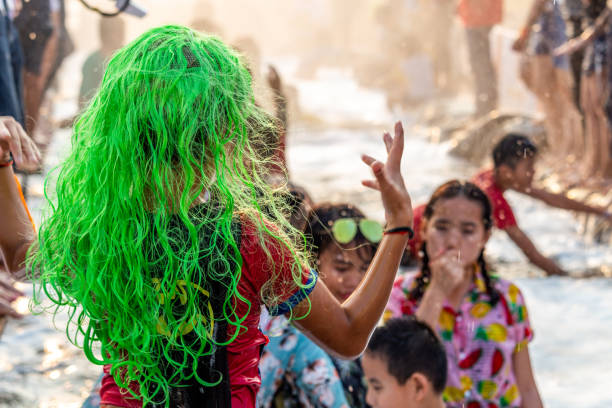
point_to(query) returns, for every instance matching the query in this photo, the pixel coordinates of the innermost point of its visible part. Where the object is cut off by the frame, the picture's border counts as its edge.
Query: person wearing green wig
(157, 243)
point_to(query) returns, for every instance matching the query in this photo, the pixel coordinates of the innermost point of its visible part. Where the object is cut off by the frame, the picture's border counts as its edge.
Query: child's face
(384, 391)
(522, 174)
(456, 224)
(342, 269)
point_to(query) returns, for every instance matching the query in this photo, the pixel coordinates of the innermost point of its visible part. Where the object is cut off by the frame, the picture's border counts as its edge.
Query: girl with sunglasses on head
(156, 242)
(481, 319)
(295, 371)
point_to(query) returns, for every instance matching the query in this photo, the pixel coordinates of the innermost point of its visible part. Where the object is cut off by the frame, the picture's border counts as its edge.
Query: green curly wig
(174, 121)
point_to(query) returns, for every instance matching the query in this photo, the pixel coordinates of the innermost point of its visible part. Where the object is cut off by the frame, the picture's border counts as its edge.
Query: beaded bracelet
(8, 163)
(401, 230)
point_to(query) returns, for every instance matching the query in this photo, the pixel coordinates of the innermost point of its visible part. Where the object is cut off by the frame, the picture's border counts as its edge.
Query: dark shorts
(549, 33)
(11, 62)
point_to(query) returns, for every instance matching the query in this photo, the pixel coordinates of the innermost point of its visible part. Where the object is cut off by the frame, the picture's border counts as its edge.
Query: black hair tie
(400, 230)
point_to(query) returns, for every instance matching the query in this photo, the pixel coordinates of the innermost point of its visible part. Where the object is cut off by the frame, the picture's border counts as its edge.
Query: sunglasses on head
(345, 230)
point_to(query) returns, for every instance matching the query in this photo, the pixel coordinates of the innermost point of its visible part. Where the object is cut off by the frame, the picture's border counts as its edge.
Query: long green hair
(174, 122)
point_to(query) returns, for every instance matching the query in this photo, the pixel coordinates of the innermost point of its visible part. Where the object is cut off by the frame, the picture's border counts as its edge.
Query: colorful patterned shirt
(301, 374)
(480, 341)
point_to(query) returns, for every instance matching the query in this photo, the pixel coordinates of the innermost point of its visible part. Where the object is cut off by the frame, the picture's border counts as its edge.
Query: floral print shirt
(295, 372)
(480, 341)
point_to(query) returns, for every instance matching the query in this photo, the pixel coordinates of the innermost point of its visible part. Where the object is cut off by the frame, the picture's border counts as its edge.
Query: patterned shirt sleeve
(399, 304)
(518, 309)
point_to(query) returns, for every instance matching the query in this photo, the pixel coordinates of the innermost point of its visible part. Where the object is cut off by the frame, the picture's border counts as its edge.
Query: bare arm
(526, 382)
(16, 233)
(431, 306)
(532, 253)
(345, 329)
(537, 6)
(586, 37)
(563, 202)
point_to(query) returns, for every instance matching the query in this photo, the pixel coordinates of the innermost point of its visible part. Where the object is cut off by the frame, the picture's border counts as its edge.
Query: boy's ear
(421, 386)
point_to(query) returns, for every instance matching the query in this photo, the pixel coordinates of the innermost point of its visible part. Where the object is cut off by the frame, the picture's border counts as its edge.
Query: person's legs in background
(485, 81)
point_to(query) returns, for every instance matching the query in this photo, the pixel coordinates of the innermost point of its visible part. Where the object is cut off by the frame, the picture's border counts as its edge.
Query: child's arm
(532, 253)
(524, 377)
(431, 306)
(586, 37)
(563, 202)
(344, 329)
(534, 12)
(16, 233)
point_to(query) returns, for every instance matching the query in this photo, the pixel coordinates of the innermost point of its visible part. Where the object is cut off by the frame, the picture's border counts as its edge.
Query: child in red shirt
(514, 160)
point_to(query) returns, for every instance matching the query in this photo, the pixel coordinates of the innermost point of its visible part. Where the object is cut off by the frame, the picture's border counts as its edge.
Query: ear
(420, 385)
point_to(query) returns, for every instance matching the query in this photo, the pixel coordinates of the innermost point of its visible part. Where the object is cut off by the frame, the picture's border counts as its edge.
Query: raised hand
(389, 181)
(13, 139)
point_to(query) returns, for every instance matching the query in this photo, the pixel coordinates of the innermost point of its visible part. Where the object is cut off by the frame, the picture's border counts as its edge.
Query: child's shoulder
(507, 288)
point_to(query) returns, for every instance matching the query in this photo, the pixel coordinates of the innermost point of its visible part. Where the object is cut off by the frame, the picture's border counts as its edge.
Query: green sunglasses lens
(372, 230)
(344, 230)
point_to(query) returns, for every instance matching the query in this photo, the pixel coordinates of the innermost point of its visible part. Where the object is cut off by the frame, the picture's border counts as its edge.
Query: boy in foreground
(405, 366)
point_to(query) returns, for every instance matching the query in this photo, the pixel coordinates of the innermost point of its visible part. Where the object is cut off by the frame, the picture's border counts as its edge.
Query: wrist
(524, 33)
(436, 289)
(434, 295)
(6, 160)
(403, 230)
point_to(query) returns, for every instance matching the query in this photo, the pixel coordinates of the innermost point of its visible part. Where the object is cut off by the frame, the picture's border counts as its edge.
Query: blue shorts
(549, 33)
(11, 62)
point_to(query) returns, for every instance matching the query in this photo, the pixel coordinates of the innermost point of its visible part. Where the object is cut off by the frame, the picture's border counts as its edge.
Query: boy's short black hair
(513, 148)
(409, 346)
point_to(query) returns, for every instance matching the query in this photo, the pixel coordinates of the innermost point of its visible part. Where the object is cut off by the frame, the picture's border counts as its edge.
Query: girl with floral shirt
(481, 319)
